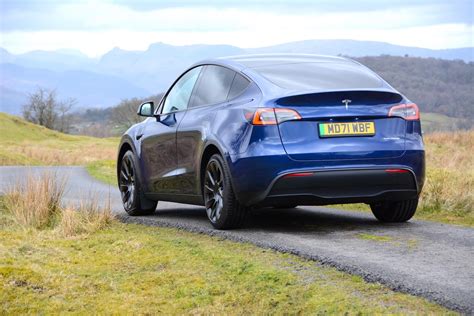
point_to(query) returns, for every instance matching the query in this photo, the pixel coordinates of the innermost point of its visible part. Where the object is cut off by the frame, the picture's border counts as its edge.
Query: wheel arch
(124, 147)
(210, 150)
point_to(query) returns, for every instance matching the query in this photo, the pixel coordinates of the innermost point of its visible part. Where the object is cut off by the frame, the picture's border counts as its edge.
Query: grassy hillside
(23, 143)
(436, 85)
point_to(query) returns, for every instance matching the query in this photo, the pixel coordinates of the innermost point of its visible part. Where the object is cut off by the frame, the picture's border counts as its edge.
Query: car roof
(251, 61)
(250, 65)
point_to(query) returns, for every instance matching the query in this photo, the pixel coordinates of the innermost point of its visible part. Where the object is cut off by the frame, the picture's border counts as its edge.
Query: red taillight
(298, 174)
(271, 116)
(408, 111)
(396, 171)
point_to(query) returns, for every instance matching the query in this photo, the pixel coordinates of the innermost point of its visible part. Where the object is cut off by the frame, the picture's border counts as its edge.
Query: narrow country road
(428, 259)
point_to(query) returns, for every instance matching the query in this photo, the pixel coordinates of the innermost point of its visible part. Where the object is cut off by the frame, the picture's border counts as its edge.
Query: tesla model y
(238, 133)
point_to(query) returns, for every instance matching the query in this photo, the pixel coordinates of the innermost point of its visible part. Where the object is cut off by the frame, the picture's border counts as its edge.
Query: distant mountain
(155, 68)
(121, 73)
(365, 48)
(90, 89)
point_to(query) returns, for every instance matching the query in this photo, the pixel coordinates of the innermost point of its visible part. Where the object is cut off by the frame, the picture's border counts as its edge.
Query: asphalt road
(428, 259)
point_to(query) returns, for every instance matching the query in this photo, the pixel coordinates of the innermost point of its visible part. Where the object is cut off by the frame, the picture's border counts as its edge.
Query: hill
(436, 85)
(24, 143)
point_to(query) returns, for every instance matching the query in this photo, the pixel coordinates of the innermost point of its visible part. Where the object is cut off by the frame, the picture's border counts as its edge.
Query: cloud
(145, 15)
(96, 26)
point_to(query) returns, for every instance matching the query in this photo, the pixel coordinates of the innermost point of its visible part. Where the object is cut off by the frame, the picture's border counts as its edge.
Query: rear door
(343, 125)
(212, 89)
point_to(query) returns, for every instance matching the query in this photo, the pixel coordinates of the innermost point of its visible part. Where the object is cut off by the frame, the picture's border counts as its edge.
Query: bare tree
(125, 115)
(45, 109)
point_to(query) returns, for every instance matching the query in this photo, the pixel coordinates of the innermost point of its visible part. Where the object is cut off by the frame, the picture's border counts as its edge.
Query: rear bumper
(341, 186)
(260, 180)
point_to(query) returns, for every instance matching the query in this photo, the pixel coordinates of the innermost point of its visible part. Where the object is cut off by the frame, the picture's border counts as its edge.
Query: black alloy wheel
(133, 199)
(127, 182)
(214, 191)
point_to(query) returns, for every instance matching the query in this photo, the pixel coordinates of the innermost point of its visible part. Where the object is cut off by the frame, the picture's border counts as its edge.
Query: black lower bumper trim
(343, 186)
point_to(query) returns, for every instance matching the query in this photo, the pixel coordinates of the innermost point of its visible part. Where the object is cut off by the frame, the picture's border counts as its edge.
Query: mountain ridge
(121, 73)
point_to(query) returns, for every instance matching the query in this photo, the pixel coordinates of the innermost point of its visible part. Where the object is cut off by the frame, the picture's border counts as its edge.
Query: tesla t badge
(346, 103)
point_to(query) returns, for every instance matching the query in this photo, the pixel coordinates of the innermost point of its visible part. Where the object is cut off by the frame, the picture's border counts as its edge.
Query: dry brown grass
(88, 218)
(449, 186)
(453, 150)
(80, 153)
(36, 203)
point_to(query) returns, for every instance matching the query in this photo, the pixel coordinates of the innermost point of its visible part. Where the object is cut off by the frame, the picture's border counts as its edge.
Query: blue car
(238, 133)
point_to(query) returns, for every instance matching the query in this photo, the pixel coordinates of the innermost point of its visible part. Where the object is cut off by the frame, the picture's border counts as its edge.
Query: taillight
(408, 111)
(271, 116)
(396, 171)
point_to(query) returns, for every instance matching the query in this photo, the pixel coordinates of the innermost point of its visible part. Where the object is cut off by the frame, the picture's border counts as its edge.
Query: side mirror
(146, 109)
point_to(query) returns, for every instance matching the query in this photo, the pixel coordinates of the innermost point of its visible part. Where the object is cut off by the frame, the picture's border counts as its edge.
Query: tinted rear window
(213, 86)
(320, 76)
(239, 84)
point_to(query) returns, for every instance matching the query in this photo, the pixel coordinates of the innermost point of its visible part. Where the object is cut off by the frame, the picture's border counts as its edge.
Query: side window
(178, 97)
(239, 84)
(213, 86)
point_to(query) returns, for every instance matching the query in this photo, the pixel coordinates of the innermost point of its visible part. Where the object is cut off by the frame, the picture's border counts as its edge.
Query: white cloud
(97, 28)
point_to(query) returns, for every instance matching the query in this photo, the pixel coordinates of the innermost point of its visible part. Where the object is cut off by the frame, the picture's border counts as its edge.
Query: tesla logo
(346, 103)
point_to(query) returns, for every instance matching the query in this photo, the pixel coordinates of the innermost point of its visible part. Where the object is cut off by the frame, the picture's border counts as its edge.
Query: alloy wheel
(127, 182)
(214, 191)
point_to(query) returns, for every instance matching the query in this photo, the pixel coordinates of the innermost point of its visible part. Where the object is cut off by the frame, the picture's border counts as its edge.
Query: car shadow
(302, 219)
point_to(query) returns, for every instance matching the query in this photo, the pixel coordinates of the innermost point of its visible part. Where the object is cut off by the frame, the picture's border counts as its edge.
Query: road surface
(428, 259)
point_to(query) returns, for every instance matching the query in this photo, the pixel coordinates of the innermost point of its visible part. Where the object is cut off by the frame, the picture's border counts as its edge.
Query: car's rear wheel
(394, 212)
(222, 207)
(134, 201)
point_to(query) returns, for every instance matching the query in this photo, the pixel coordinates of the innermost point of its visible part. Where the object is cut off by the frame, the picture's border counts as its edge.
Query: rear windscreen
(320, 76)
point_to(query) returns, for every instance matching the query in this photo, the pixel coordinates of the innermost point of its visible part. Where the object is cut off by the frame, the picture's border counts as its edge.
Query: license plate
(346, 129)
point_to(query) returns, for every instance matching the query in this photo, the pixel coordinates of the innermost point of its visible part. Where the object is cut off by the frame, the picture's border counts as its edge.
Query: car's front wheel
(394, 212)
(222, 207)
(134, 201)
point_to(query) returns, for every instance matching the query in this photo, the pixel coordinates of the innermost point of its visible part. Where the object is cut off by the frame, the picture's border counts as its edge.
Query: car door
(158, 142)
(211, 91)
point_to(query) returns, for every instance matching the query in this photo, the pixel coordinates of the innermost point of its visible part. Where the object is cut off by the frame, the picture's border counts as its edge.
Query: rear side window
(213, 86)
(239, 84)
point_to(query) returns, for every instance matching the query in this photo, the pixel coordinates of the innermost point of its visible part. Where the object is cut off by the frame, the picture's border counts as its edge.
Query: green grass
(132, 269)
(103, 170)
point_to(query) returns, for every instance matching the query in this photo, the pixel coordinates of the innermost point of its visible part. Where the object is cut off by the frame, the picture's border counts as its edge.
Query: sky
(95, 27)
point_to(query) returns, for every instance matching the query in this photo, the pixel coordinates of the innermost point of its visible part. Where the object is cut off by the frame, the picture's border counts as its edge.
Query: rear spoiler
(337, 98)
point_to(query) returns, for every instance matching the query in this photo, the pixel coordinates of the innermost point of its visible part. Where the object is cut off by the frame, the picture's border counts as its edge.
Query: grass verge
(131, 269)
(103, 170)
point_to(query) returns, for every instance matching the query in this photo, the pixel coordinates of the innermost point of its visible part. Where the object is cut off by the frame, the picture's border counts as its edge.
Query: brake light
(408, 111)
(396, 171)
(299, 174)
(271, 116)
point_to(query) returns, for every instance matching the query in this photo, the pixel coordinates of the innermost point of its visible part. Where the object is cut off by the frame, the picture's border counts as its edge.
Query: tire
(222, 207)
(134, 201)
(394, 212)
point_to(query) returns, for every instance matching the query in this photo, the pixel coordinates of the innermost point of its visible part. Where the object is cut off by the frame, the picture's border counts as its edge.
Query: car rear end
(348, 146)
(354, 139)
